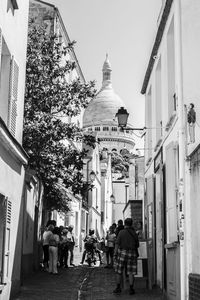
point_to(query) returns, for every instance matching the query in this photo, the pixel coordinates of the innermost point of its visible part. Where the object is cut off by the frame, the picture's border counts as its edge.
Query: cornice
(156, 45)
(9, 143)
(109, 139)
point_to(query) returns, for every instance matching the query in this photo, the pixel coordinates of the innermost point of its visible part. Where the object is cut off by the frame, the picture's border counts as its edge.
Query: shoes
(72, 265)
(117, 291)
(66, 266)
(131, 291)
(81, 263)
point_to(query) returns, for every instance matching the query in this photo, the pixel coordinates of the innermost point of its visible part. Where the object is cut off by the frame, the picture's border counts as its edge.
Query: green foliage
(120, 162)
(49, 98)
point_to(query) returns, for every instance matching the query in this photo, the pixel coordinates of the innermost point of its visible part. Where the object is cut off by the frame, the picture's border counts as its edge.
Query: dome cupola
(104, 106)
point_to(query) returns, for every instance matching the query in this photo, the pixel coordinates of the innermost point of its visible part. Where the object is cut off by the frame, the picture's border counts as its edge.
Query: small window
(97, 128)
(105, 128)
(114, 128)
(90, 129)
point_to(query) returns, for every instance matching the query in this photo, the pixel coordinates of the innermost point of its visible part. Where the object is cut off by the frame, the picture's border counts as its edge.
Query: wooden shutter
(6, 250)
(12, 107)
(0, 48)
(171, 193)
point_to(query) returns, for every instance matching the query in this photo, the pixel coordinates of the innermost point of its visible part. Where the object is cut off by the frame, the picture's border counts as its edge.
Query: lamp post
(112, 198)
(92, 176)
(122, 118)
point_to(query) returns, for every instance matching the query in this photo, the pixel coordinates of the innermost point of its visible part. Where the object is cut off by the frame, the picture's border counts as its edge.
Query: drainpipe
(181, 140)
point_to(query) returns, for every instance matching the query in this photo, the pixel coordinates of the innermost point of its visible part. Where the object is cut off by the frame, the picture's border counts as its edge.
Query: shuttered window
(171, 192)
(5, 223)
(12, 107)
(0, 48)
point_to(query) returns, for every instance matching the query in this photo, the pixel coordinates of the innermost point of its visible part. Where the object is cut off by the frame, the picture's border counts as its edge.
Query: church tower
(99, 116)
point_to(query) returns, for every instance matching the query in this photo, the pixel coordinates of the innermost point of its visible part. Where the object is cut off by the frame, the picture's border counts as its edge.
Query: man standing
(126, 252)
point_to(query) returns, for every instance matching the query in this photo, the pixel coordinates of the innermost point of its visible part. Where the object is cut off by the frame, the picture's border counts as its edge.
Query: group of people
(58, 243)
(120, 245)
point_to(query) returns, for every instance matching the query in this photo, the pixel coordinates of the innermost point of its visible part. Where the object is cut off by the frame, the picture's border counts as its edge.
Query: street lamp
(92, 175)
(112, 198)
(122, 118)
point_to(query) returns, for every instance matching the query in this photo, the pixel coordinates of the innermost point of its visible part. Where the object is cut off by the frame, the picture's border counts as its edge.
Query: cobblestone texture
(79, 283)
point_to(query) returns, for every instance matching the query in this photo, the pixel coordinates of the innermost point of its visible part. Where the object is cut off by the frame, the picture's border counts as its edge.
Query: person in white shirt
(53, 251)
(45, 244)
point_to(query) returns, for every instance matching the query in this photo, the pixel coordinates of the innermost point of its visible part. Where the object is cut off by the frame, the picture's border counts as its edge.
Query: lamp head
(122, 117)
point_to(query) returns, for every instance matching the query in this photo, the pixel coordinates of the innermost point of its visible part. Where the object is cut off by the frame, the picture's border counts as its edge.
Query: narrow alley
(80, 283)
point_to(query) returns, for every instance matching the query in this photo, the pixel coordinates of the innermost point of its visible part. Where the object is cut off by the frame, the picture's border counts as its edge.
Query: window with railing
(105, 128)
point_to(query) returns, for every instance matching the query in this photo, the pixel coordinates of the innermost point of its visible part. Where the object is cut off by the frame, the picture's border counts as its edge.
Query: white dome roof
(104, 106)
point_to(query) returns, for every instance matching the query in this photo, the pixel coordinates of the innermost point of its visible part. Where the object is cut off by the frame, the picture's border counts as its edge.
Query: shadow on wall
(28, 249)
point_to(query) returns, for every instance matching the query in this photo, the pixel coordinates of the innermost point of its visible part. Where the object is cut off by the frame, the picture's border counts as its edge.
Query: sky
(126, 30)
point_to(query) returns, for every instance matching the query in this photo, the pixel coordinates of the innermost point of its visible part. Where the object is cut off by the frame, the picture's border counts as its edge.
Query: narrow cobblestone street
(79, 283)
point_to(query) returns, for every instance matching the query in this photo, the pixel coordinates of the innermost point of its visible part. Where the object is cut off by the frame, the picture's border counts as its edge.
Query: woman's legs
(55, 259)
(50, 259)
(45, 256)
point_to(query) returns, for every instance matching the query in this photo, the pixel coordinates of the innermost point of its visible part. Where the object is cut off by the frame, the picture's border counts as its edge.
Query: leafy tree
(119, 162)
(49, 98)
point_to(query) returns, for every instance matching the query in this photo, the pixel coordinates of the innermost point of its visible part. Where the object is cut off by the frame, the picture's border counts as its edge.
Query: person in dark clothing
(191, 118)
(120, 226)
(126, 252)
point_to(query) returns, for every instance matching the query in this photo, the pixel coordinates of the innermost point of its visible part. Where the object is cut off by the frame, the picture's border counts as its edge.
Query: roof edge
(156, 45)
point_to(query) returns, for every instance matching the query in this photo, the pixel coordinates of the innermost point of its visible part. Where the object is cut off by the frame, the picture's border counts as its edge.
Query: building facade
(13, 159)
(171, 155)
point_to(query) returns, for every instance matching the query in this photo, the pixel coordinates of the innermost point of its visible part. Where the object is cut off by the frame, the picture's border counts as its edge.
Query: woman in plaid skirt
(126, 253)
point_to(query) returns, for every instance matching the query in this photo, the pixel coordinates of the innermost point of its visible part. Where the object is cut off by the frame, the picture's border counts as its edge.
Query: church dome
(104, 106)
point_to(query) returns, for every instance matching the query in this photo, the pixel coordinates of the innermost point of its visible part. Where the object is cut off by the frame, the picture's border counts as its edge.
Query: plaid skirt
(128, 258)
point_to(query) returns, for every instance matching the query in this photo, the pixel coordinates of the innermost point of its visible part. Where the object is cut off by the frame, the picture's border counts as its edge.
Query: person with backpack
(126, 252)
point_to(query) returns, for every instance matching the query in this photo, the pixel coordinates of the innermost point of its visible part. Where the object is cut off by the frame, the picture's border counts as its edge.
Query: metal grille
(194, 286)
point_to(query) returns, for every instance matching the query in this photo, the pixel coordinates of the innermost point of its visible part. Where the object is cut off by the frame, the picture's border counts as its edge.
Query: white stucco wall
(14, 24)
(14, 28)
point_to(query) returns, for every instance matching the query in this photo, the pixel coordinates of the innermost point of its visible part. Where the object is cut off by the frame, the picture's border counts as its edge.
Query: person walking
(111, 237)
(126, 252)
(45, 245)
(53, 251)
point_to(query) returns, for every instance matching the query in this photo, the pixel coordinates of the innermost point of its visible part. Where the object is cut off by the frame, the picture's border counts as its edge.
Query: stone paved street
(79, 283)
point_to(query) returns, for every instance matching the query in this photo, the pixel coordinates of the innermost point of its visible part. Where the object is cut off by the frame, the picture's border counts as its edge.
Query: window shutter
(7, 227)
(14, 74)
(0, 47)
(171, 193)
